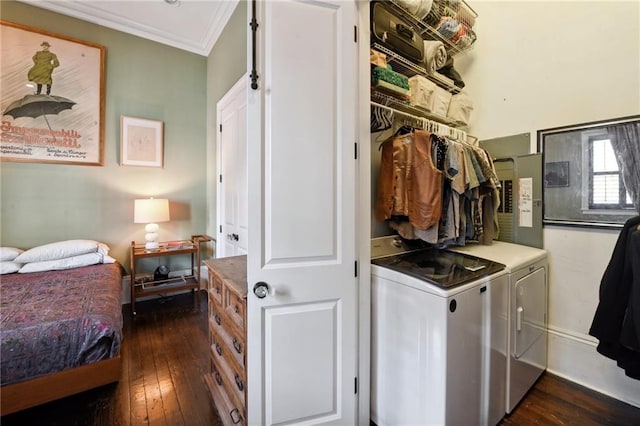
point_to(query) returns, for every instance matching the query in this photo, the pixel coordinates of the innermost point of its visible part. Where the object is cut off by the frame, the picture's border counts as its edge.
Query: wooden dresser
(227, 381)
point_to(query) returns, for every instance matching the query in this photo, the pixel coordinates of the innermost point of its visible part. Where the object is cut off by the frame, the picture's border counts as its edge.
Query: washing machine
(434, 317)
(526, 268)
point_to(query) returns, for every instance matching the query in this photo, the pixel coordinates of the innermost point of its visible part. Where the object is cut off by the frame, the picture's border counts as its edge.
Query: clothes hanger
(404, 129)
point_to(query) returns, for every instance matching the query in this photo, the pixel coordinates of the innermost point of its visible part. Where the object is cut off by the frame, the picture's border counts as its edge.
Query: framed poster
(140, 142)
(51, 97)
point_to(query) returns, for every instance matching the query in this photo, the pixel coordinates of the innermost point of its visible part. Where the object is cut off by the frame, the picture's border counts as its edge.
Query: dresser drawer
(215, 307)
(215, 287)
(234, 379)
(218, 321)
(236, 346)
(230, 412)
(223, 349)
(235, 306)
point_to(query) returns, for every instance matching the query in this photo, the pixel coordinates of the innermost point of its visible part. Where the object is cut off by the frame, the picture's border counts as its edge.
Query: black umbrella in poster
(38, 106)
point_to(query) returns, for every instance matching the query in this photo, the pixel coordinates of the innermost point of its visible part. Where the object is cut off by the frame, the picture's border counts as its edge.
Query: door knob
(235, 237)
(261, 289)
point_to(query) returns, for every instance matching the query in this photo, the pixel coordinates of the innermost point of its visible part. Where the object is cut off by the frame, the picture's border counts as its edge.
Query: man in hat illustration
(43, 64)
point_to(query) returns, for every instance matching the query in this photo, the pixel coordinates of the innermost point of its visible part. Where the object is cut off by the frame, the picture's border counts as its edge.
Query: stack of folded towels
(391, 82)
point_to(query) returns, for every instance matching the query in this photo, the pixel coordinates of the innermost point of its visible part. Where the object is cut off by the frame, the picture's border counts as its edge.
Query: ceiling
(191, 25)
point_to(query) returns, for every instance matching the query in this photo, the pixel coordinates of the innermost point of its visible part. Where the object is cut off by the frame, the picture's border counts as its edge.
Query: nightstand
(142, 285)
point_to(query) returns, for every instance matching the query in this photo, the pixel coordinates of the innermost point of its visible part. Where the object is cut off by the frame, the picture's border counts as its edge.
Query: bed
(60, 333)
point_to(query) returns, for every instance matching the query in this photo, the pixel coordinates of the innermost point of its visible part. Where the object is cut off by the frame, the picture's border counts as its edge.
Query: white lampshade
(151, 211)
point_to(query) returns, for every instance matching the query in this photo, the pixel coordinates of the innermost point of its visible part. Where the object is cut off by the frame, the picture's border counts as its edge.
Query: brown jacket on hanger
(409, 184)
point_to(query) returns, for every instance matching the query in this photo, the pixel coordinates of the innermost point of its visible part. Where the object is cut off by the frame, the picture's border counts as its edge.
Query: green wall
(226, 64)
(41, 203)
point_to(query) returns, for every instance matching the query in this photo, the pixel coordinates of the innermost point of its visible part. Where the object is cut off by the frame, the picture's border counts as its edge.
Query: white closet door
(302, 336)
(232, 200)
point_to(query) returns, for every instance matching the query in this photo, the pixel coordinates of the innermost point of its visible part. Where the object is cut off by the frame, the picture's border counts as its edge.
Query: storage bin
(441, 100)
(422, 92)
(460, 109)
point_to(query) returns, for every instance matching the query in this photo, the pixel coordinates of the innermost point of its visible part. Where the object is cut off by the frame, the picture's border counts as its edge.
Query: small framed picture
(141, 142)
(556, 174)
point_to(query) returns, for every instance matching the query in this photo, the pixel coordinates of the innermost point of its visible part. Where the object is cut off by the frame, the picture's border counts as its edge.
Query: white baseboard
(573, 356)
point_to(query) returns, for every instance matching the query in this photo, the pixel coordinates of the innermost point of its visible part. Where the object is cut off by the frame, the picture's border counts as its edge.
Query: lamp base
(151, 245)
(151, 237)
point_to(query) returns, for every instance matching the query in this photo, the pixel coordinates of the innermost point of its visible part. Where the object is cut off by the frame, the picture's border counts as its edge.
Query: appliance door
(528, 334)
(531, 312)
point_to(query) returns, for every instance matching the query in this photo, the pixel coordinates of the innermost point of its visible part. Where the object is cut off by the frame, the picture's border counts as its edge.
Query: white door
(302, 336)
(232, 172)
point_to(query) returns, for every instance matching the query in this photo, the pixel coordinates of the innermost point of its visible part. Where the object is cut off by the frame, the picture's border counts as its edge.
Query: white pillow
(65, 263)
(9, 253)
(9, 267)
(61, 250)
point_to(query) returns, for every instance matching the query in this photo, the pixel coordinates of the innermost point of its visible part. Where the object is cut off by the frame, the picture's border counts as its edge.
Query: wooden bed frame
(29, 393)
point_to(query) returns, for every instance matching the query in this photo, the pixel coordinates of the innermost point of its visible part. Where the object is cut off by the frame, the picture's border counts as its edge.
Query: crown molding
(84, 10)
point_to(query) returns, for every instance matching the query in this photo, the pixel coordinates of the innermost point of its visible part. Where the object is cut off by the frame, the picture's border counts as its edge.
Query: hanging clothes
(616, 323)
(437, 190)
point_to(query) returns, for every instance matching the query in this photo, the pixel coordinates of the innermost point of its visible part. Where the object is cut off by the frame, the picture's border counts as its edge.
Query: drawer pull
(236, 309)
(239, 382)
(218, 319)
(216, 375)
(238, 418)
(218, 349)
(237, 345)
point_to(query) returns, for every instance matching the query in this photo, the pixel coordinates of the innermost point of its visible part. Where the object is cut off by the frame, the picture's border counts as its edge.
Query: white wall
(538, 65)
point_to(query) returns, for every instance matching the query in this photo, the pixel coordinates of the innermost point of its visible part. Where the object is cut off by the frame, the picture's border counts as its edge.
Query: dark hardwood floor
(556, 401)
(165, 357)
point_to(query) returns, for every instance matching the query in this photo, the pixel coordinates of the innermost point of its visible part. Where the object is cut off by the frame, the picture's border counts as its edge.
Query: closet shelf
(464, 14)
(402, 106)
(409, 68)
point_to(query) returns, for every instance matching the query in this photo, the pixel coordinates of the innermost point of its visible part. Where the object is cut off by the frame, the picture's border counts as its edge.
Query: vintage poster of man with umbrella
(51, 97)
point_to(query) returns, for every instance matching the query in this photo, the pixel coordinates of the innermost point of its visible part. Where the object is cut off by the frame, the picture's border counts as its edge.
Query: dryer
(526, 268)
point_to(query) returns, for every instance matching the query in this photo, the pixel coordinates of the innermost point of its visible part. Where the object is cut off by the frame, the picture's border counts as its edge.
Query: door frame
(364, 212)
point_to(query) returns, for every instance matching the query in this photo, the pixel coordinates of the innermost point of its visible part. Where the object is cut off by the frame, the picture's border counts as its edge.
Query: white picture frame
(141, 142)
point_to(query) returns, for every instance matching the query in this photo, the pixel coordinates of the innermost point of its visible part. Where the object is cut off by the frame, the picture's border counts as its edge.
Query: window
(606, 188)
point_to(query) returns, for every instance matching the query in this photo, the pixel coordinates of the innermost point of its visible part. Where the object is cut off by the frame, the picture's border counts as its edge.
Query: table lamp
(151, 211)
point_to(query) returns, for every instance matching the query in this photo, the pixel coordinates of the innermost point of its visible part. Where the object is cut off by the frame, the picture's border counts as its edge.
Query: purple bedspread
(51, 321)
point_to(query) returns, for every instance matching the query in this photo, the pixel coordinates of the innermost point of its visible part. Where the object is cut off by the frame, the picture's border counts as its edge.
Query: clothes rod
(396, 111)
(443, 128)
